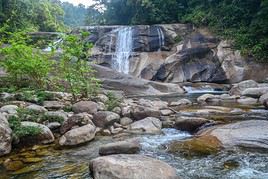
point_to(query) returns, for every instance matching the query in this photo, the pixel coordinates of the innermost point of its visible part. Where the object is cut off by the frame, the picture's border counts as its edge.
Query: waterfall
(120, 61)
(161, 37)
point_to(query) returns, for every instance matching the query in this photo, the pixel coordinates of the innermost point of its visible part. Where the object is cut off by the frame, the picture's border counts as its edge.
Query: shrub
(33, 116)
(25, 65)
(20, 131)
(112, 102)
(74, 73)
(35, 96)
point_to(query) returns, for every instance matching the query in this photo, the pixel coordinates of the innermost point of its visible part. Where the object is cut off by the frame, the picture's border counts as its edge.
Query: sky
(76, 2)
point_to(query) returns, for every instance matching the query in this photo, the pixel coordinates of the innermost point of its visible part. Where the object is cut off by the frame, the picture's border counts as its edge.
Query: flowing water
(73, 163)
(124, 44)
(161, 37)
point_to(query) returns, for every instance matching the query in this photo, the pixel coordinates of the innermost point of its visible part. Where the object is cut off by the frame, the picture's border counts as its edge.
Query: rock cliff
(174, 53)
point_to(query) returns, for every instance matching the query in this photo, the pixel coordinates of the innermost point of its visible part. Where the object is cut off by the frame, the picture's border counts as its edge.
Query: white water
(53, 46)
(123, 51)
(205, 89)
(161, 38)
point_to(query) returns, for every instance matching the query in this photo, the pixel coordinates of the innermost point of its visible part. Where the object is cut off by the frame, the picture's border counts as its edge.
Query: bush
(20, 131)
(74, 73)
(25, 65)
(33, 116)
(112, 102)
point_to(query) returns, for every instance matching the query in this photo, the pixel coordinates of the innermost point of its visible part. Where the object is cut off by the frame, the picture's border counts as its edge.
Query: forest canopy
(243, 21)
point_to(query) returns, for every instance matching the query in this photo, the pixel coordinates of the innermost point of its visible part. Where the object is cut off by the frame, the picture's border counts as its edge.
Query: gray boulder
(130, 167)
(10, 109)
(76, 120)
(255, 92)
(190, 124)
(78, 135)
(246, 134)
(85, 106)
(36, 108)
(5, 136)
(148, 125)
(105, 119)
(122, 147)
(45, 136)
(53, 105)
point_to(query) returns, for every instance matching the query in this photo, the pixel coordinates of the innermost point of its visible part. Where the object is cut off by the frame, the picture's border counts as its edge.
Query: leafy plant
(74, 73)
(38, 117)
(112, 102)
(20, 131)
(25, 65)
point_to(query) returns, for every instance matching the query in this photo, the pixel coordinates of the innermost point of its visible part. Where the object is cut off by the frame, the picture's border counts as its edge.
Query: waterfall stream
(161, 38)
(123, 51)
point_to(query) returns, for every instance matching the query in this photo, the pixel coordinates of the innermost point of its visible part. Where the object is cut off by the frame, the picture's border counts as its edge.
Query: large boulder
(10, 109)
(36, 108)
(105, 119)
(247, 101)
(53, 105)
(78, 135)
(255, 92)
(141, 112)
(181, 103)
(76, 120)
(130, 167)
(195, 62)
(131, 85)
(190, 124)
(198, 146)
(239, 87)
(247, 134)
(148, 125)
(208, 98)
(5, 136)
(85, 106)
(122, 147)
(45, 136)
(263, 98)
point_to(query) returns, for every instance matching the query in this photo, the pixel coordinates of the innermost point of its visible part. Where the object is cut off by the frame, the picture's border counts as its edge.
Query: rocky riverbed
(191, 135)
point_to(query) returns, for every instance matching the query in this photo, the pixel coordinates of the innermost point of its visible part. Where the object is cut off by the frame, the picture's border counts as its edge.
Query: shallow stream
(73, 163)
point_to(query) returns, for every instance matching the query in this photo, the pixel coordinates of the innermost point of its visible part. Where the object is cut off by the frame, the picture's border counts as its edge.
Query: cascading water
(161, 37)
(123, 50)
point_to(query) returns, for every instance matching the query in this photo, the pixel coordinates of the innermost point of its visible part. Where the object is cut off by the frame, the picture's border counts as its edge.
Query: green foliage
(74, 73)
(20, 131)
(34, 116)
(52, 118)
(178, 39)
(25, 65)
(112, 102)
(31, 15)
(74, 15)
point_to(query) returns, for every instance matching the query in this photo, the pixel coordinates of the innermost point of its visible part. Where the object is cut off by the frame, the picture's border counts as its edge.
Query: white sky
(76, 2)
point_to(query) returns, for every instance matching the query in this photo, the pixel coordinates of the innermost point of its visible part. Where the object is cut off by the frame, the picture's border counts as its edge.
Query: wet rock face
(176, 53)
(195, 62)
(200, 146)
(130, 167)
